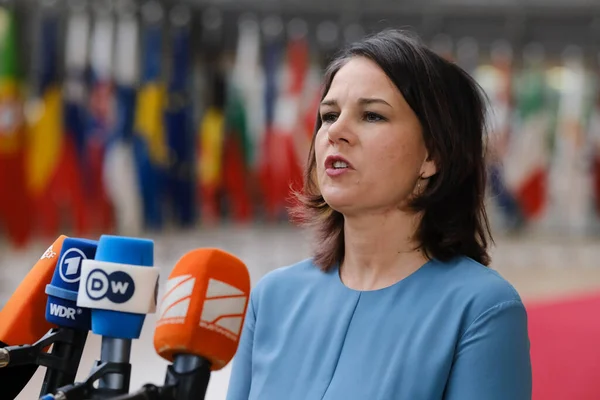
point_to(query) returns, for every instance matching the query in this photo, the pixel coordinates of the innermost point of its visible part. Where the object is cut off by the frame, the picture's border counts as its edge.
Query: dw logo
(118, 287)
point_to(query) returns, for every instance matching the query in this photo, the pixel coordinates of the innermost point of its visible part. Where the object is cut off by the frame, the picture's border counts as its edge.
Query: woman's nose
(340, 131)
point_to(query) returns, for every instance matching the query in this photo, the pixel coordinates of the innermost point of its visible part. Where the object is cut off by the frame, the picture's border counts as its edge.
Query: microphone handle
(72, 352)
(190, 375)
(115, 350)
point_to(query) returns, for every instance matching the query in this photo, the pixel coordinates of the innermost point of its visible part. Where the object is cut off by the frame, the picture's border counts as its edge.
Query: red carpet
(565, 348)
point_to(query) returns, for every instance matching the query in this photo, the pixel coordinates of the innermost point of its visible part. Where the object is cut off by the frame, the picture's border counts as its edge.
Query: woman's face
(369, 150)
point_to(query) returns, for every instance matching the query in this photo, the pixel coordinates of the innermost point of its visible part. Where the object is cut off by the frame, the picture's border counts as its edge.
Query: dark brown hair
(450, 106)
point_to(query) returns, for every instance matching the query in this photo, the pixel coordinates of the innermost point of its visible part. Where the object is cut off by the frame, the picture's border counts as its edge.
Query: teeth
(340, 164)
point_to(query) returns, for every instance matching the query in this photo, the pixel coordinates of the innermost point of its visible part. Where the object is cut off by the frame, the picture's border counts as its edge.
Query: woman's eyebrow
(362, 101)
(373, 100)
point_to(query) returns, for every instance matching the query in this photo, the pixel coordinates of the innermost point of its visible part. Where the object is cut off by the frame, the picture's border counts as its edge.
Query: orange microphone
(200, 319)
(23, 318)
(199, 323)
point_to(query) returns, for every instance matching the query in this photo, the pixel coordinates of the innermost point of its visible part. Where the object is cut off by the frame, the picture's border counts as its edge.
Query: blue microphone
(62, 310)
(120, 287)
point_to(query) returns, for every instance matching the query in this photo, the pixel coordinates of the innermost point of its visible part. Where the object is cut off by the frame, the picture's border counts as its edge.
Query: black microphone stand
(190, 375)
(72, 352)
(150, 392)
(86, 391)
(187, 378)
(62, 362)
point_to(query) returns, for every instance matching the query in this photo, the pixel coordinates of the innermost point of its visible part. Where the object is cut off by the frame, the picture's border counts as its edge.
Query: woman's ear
(428, 168)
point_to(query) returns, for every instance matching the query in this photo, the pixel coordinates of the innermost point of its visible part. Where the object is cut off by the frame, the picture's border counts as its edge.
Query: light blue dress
(452, 330)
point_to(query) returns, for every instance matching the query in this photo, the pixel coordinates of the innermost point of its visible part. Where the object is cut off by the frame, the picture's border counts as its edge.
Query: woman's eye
(373, 117)
(329, 118)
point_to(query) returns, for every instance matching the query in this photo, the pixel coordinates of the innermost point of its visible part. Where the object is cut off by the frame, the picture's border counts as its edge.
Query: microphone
(62, 310)
(120, 287)
(22, 320)
(200, 320)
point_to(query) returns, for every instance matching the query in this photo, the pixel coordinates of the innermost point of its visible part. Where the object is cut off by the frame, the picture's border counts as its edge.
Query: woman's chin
(339, 201)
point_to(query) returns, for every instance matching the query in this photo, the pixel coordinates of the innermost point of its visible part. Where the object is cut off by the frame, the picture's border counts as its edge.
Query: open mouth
(337, 162)
(340, 164)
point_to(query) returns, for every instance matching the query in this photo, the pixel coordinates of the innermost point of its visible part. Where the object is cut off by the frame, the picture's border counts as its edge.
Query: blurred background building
(188, 122)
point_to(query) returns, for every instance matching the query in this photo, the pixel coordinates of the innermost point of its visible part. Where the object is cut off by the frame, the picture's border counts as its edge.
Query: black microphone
(62, 310)
(119, 287)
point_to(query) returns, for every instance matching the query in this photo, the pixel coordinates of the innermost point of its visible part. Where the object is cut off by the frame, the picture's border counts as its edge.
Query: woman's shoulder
(286, 278)
(477, 287)
(468, 273)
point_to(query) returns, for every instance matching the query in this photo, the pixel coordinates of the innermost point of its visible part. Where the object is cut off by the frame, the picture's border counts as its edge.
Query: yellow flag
(211, 147)
(149, 121)
(45, 139)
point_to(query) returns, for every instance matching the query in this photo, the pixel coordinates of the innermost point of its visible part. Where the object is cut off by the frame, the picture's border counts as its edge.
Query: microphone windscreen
(203, 307)
(126, 251)
(22, 320)
(61, 307)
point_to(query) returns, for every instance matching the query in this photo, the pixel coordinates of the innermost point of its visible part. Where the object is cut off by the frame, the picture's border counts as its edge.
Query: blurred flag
(210, 153)
(46, 132)
(15, 212)
(120, 174)
(527, 158)
(238, 145)
(72, 162)
(273, 55)
(211, 129)
(272, 58)
(283, 172)
(178, 119)
(496, 79)
(150, 143)
(248, 78)
(101, 117)
(570, 179)
(313, 91)
(236, 149)
(594, 131)
(289, 132)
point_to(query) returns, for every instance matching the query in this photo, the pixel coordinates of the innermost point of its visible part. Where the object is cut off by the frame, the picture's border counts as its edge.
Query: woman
(397, 301)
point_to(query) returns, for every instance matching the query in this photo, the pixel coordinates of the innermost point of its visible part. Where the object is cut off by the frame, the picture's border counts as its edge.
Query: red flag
(283, 172)
(15, 208)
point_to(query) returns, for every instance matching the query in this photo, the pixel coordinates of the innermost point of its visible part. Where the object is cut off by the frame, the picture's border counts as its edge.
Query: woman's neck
(380, 250)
